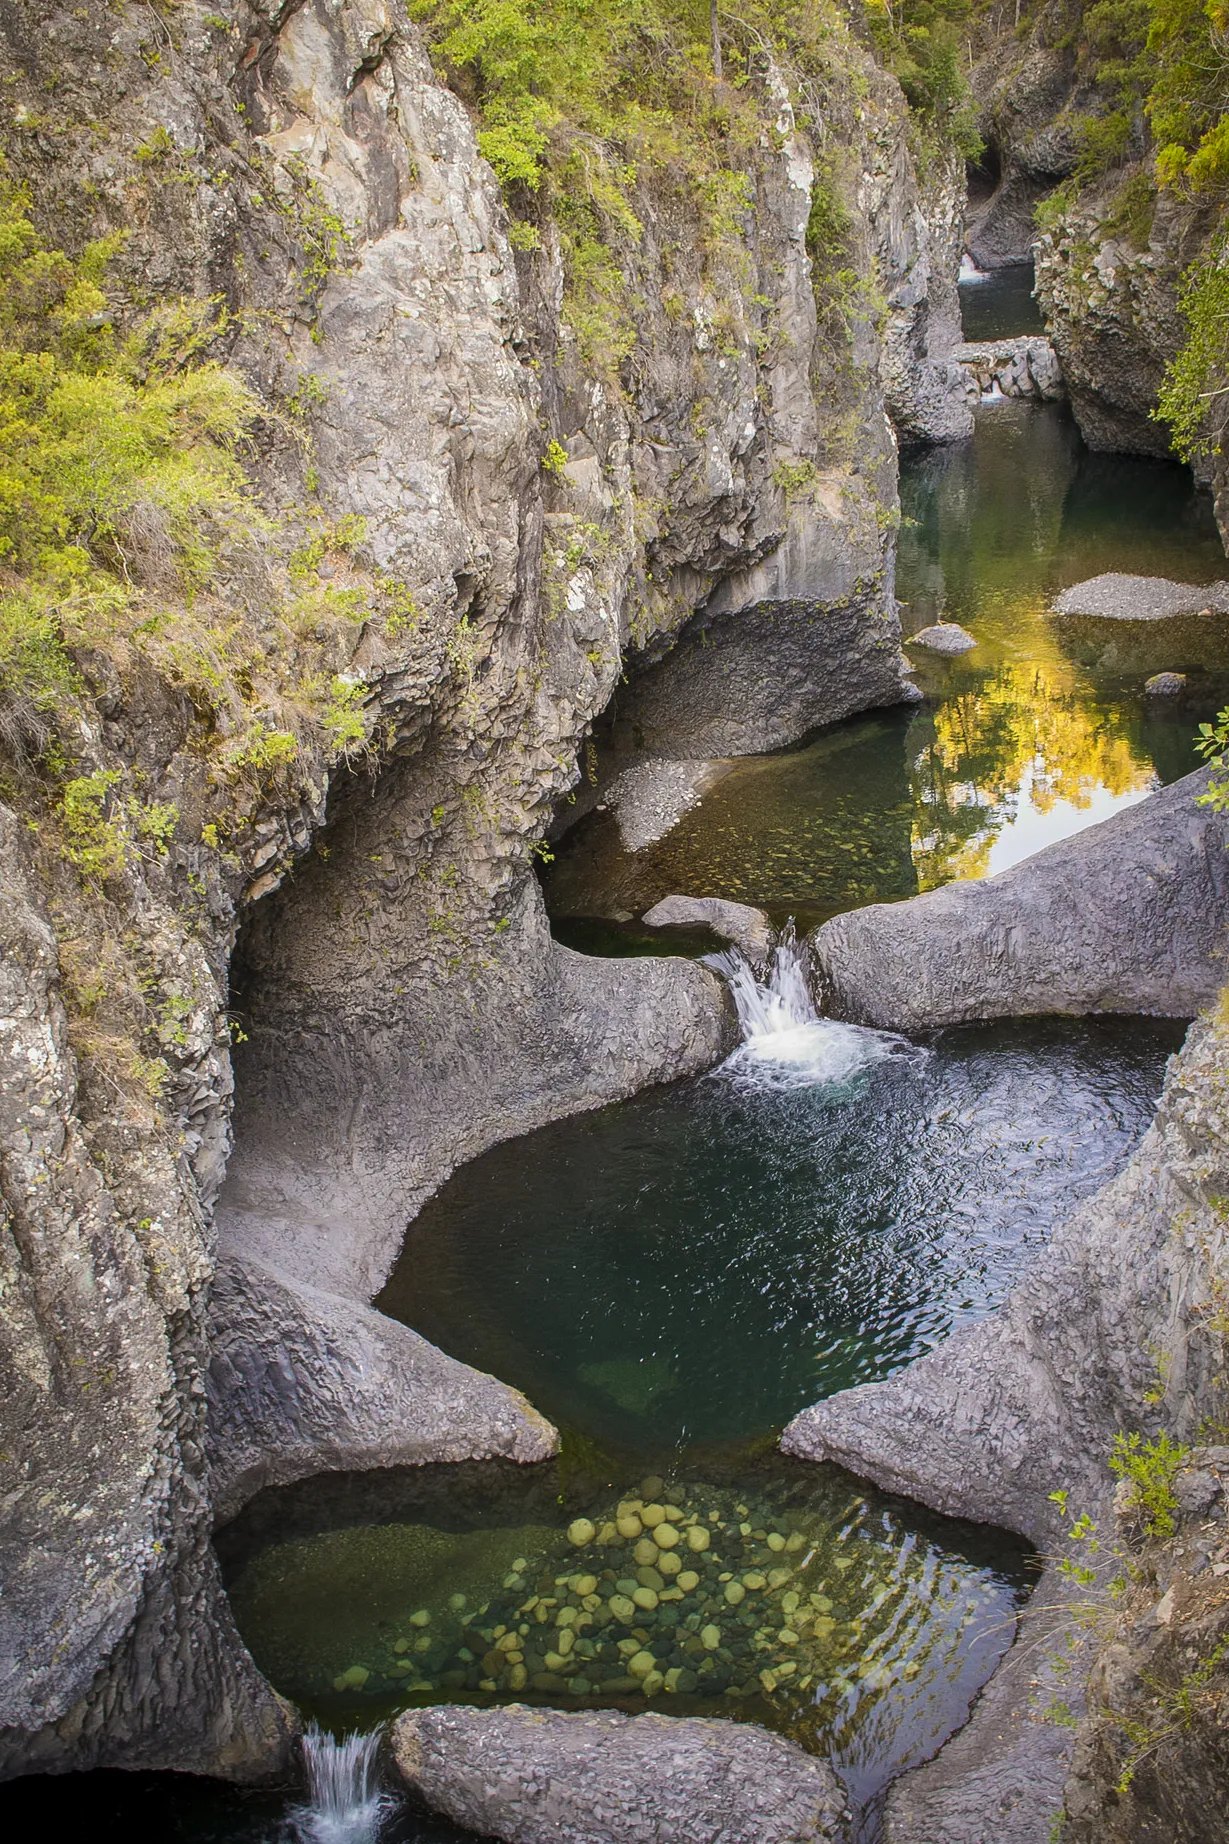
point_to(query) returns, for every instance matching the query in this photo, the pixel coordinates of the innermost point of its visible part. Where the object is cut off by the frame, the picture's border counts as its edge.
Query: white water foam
(346, 1805)
(969, 271)
(786, 1044)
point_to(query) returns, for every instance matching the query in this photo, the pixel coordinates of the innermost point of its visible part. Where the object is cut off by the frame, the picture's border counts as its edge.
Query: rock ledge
(536, 1776)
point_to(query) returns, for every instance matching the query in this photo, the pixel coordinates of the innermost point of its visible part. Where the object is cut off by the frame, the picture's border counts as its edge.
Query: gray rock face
(943, 637)
(1166, 685)
(1117, 597)
(749, 929)
(753, 680)
(533, 1776)
(1131, 915)
(1029, 96)
(919, 250)
(355, 1111)
(406, 1004)
(1109, 1330)
(100, 1362)
(1026, 367)
(302, 1381)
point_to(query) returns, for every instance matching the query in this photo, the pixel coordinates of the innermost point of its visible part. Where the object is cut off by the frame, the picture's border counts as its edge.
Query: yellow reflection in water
(1024, 738)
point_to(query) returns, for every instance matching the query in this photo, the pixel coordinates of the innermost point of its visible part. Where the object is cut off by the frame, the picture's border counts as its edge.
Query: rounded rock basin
(763, 1590)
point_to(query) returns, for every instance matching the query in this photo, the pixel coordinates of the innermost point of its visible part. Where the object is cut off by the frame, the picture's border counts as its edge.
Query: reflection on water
(786, 1594)
(1041, 729)
(699, 1263)
(1000, 304)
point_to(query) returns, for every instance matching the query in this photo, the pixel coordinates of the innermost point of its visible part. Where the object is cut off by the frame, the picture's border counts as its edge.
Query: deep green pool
(692, 1267)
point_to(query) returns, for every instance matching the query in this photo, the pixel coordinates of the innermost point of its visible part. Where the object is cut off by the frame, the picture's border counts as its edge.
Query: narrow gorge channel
(614, 842)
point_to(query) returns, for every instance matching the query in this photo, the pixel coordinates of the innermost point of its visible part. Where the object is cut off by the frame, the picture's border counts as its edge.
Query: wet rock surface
(534, 1776)
(1116, 597)
(301, 1379)
(1131, 915)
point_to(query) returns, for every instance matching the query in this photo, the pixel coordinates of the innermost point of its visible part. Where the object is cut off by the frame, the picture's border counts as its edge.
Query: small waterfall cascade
(786, 1044)
(346, 1805)
(969, 271)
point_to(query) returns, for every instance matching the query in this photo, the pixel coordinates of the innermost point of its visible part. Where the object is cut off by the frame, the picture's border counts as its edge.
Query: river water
(672, 1278)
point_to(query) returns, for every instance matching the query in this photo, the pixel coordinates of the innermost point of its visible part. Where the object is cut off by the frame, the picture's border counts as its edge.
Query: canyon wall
(470, 522)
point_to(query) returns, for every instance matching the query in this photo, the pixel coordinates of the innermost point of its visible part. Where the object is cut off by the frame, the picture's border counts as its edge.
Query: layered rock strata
(1130, 915)
(530, 1776)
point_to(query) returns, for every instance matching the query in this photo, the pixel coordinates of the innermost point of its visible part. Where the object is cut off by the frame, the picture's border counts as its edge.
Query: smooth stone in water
(646, 1552)
(688, 1581)
(1165, 685)
(645, 1598)
(698, 1538)
(666, 1536)
(944, 637)
(710, 1637)
(735, 1592)
(581, 1532)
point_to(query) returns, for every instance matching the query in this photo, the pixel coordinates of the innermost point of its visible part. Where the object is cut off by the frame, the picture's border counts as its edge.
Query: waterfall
(343, 1779)
(786, 1044)
(969, 271)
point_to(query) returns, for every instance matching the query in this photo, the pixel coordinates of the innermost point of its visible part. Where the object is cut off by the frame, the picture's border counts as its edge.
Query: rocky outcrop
(531, 1776)
(1116, 597)
(1150, 1757)
(1115, 1328)
(302, 1381)
(1111, 310)
(1005, 1413)
(1025, 367)
(1131, 915)
(1028, 94)
(106, 1512)
(749, 929)
(403, 1002)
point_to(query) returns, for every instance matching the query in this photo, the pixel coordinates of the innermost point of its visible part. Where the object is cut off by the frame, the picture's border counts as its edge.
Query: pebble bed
(684, 1592)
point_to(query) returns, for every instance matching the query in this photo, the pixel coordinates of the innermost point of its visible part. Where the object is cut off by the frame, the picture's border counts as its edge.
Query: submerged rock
(1117, 597)
(1131, 915)
(943, 637)
(533, 1776)
(749, 929)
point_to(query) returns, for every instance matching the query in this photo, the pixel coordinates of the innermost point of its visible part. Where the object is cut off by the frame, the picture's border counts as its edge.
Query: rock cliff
(351, 747)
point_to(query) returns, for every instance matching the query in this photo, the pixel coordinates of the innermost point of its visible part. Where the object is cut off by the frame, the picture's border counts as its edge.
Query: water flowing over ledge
(786, 1044)
(346, 1804)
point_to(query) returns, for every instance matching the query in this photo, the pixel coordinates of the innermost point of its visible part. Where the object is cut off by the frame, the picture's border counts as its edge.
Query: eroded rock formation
(403, 1002)
(1131, 915)
(597, 1777)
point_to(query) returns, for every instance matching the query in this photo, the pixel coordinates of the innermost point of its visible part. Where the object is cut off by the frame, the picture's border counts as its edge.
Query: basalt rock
(1114, 1328)
(944, 637)
(1130, 915)
(531, 1776)
(403, 1002)
(1025, 367)
(747, 928)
